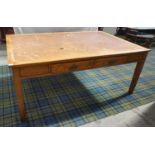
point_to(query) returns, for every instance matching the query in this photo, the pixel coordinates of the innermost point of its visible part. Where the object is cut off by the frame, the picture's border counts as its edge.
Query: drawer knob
(111, 62)
(73, 67)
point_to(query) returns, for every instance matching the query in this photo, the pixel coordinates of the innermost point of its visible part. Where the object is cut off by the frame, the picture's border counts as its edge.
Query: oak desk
(32, 55)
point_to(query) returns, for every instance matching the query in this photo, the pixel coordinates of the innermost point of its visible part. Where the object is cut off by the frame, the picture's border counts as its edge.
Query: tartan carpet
(74, 99)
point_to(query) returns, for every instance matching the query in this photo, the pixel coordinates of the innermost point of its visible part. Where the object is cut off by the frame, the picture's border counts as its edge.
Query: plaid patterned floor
(76, 98)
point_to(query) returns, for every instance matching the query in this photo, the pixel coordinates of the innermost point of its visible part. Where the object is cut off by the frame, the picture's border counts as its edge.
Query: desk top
(27, 49)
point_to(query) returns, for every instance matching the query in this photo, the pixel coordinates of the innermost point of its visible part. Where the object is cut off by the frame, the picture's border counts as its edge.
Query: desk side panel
(9, 50)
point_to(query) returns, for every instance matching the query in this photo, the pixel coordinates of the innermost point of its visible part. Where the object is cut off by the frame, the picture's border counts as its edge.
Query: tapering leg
(137, 73)
(19, 92)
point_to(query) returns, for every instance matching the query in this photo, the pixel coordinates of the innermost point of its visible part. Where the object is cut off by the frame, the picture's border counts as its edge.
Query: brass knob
(73, 67)
(111, 62)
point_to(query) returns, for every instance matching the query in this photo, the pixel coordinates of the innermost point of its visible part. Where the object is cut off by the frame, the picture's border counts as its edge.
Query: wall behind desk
(20, 30)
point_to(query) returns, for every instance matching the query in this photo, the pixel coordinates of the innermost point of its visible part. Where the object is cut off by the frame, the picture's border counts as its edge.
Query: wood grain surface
(55, 47)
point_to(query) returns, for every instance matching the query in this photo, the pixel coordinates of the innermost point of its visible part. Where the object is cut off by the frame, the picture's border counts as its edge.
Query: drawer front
(71, 67)
(34, 70)
(101, 62)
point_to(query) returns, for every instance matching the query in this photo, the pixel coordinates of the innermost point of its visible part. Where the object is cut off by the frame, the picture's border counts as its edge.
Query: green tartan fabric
(74, 99)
